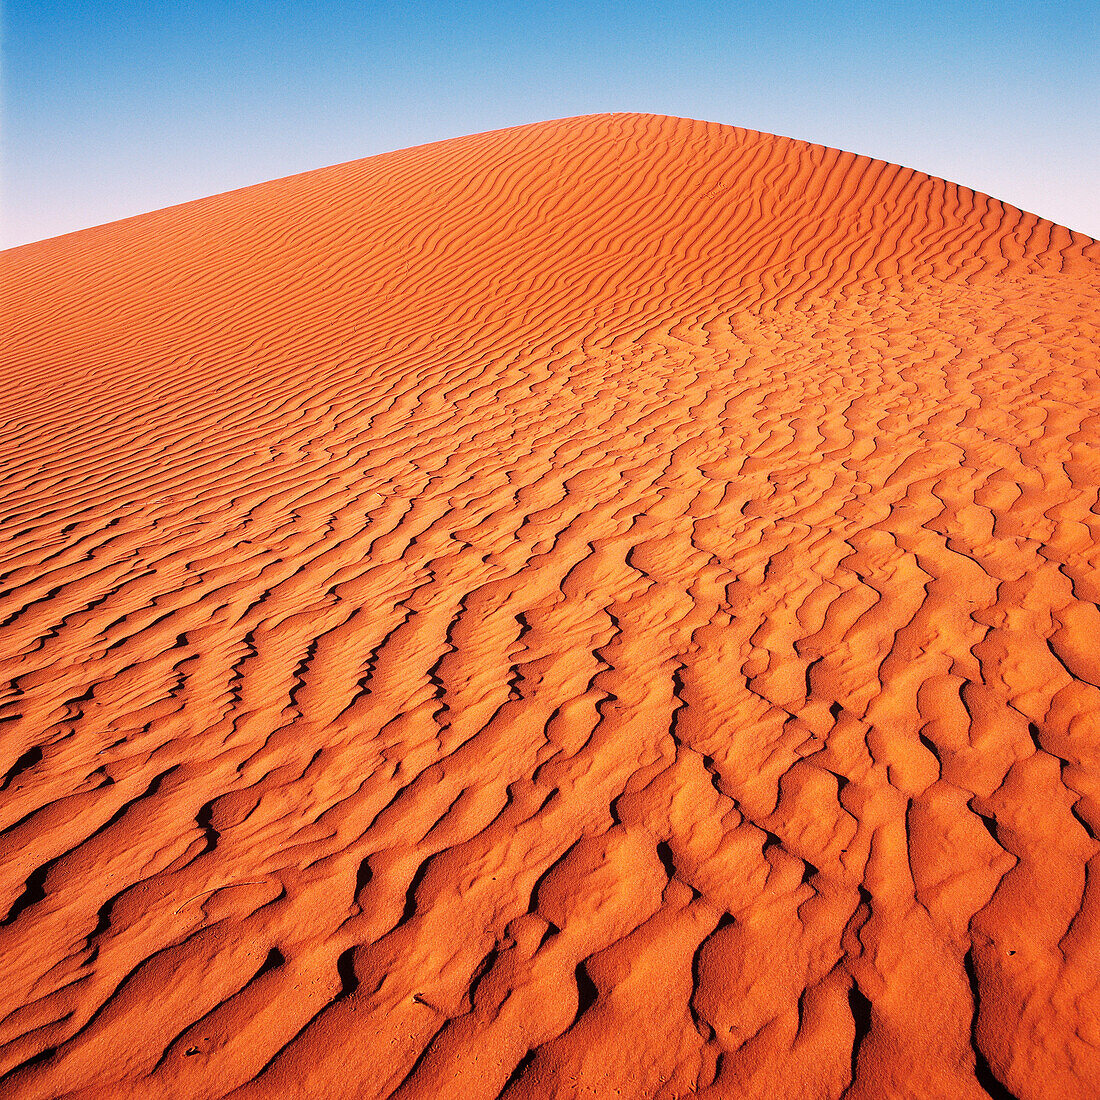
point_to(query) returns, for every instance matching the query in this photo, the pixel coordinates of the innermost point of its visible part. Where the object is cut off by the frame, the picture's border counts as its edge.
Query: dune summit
(602, 608)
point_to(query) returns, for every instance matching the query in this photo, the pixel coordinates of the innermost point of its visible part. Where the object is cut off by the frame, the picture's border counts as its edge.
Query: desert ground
(601, 608)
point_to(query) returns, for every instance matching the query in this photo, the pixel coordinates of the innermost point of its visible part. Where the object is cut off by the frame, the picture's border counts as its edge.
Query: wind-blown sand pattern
(603, 608)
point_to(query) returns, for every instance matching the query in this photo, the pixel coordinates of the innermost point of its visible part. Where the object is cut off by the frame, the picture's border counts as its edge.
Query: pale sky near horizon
(114, 109)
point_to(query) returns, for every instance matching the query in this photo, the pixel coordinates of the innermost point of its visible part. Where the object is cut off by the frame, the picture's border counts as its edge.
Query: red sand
(604, 608)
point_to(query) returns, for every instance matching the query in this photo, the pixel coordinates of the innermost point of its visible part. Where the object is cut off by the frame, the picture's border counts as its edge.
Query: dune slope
(606, 608)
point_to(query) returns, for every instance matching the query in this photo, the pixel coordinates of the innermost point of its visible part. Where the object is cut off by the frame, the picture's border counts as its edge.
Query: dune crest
(606, 607)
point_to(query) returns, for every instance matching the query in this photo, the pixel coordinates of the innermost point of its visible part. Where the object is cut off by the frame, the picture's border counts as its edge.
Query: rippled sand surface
(604, 608)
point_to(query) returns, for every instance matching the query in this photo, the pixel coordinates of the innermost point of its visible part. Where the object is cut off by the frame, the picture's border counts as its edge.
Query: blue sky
(112, 109)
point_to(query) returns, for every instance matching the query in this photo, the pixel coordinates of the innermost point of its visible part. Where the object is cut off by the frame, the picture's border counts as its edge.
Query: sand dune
(603, 608)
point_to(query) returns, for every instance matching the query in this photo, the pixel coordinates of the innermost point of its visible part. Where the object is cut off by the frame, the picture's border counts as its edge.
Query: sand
(601, 608)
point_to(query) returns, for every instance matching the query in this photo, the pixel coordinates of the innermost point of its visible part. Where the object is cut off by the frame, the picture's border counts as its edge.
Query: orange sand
(603, 608)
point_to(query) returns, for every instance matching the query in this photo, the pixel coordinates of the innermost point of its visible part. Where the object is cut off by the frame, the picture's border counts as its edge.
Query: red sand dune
(603, 608)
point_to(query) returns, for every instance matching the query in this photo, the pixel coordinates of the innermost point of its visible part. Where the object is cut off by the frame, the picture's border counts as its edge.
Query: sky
(114, 109)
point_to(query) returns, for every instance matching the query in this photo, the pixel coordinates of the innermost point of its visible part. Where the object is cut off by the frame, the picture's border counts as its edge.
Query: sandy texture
(604, 608)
